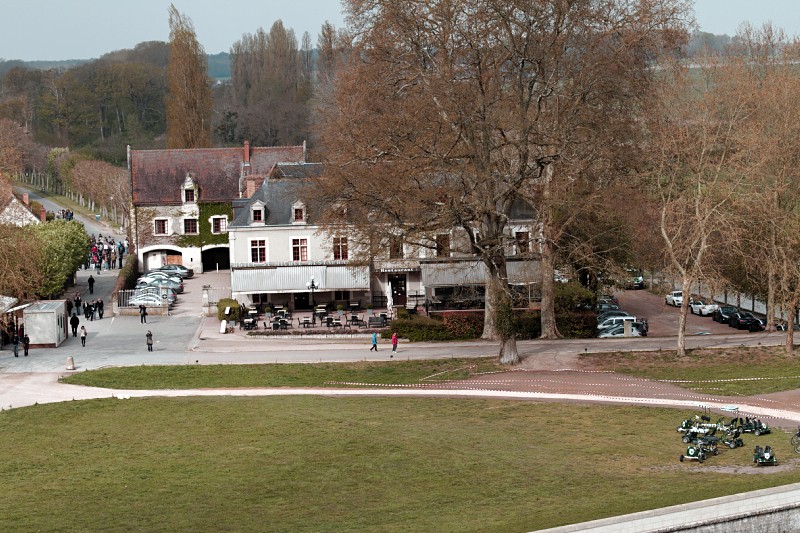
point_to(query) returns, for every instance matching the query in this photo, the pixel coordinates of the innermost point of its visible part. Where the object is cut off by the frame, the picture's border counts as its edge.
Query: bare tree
(697, 165)
(460, 109)
(189, 99)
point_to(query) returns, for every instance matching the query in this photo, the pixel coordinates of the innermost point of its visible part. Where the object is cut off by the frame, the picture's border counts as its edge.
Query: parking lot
(663, 319)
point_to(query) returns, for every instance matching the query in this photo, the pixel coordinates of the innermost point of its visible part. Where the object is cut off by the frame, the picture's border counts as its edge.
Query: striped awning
(285, 279)
(473, 272)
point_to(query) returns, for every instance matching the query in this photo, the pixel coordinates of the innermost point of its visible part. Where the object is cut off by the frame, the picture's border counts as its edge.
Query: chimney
(247, 153)
(43, 214)
(25, 199)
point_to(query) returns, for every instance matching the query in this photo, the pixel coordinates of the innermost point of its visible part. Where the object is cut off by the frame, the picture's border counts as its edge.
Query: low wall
(775, 509)
(134, 311)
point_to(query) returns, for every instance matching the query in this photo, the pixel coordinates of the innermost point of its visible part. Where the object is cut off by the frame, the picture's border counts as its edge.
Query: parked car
(605, 306)
(164, 293)
(154, 282)
(147, 299)
(608, 298)
(783, 326)
(635, 279)
(745, 320)
(700, 307)
(674, 298)
(615, 321)
(619, 331)
(608, 314)
(156, 274)
(180, 270)
(723, 314)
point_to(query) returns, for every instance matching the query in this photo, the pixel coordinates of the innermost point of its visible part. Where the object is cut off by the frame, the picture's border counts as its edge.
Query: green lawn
(724, 372)
(281, 375)
(348, 464)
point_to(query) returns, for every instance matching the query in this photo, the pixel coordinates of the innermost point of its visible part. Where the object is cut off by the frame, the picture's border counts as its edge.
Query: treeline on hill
(100, 107)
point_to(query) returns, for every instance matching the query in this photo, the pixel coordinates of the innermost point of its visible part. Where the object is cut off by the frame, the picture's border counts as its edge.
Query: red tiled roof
(157, 175)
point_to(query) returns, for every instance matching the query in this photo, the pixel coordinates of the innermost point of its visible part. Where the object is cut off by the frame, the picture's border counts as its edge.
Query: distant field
(349, 464)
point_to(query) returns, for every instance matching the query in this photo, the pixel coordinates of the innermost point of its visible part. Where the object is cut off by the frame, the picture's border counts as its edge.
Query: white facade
(46, 323)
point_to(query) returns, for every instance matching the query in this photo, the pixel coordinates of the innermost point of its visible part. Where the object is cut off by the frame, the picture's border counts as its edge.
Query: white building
(277, 249)
(16, 212)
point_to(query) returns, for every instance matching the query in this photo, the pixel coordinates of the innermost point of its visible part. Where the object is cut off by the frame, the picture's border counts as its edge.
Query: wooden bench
(377, 322)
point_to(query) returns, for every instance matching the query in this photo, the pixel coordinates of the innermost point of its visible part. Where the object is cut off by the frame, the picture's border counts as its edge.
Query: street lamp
(312, 286)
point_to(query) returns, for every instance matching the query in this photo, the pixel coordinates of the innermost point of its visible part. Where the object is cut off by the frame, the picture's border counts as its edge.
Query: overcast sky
(86, 29)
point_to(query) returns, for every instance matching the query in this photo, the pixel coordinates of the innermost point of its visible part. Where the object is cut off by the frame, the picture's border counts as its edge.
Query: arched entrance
(153, 259)
(217, 258)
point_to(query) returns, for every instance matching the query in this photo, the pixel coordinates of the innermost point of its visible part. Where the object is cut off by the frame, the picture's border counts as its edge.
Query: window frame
(302, 249)
(258, 245)
(186, 192)
(196, 226)
(341, 244)
(223, 222)
(156, 222)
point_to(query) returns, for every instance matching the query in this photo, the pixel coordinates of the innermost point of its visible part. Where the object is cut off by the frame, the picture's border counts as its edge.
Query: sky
(33, 30)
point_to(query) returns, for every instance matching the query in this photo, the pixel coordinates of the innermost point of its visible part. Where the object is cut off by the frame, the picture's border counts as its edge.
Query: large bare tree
(188, 102)
(454, 111)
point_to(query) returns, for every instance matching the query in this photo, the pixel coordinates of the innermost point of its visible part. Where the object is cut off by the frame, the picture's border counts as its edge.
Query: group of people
(89, 309)
(105, 254)
(20, 337)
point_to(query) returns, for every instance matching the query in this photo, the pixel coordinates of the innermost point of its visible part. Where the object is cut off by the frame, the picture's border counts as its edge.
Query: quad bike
(750, 425)
(701, 449)
(764, 456)
(698, 424)
(732, 440)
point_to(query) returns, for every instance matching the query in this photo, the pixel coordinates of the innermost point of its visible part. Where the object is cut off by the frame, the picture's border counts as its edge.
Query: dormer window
(298, 213)
(257, 213)
(189, 190)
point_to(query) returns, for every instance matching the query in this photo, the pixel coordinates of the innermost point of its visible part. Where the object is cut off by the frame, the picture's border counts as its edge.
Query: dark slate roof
(157, 175)
(277, 195)
(297, 170)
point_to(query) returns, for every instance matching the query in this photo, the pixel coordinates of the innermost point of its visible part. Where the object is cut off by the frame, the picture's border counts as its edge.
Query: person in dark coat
(74, 321)
(149, 337)
(77, 302)
(99, 308)
(15, 344)
(91, 284)
(26, 344)
(142, 314)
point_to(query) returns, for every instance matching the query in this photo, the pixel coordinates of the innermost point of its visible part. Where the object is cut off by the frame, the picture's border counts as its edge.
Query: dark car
(723, 314)
(745, 320)
(178, 270)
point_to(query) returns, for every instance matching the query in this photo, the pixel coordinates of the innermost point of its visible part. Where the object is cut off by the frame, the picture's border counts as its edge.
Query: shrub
(417, 329)
(402, 313)
(126, 279)
(235, 309)
(464, 325)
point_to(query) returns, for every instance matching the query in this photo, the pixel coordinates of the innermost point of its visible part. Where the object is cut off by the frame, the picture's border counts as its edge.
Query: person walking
(15, 344)
(74, 321)
(26, 344)
(83, 336)
(91, 284)
(77, 303)
(394, 344)
(374, 342)
(149, 341)
(142, 314)
(99, 308)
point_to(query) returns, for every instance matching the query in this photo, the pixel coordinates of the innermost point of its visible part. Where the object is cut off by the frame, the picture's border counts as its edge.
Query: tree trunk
(548, 318)
(686, 285)
(789, 341)
(496, 274)
(547, 264)
(508, 352)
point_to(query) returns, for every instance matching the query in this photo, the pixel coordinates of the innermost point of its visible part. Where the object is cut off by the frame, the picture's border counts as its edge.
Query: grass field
(281, 375)
(724, 372)
(347, 464)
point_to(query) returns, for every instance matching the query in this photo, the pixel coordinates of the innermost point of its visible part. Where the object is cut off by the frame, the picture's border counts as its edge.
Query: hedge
(467, 325)
(235, 309)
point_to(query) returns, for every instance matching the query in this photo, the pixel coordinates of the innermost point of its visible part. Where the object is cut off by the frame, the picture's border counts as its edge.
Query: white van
(615, 321)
